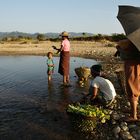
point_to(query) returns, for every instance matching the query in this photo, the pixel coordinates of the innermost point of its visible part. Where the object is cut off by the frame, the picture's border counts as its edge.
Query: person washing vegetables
(101, 90)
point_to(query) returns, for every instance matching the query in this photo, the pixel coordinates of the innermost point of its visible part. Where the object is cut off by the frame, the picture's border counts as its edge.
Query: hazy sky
(95, 16)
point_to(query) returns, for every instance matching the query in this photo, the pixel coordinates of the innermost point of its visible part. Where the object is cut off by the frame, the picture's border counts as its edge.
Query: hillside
(33, 35)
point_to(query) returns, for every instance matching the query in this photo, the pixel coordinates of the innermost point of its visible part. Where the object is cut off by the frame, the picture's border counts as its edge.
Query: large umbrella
(129, 17)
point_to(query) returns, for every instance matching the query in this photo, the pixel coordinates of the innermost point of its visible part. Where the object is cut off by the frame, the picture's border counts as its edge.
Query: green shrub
(117, 37)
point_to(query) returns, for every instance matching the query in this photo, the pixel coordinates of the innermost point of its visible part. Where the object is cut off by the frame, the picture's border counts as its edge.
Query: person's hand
(58, 51)
(54, 47)
(92, 98)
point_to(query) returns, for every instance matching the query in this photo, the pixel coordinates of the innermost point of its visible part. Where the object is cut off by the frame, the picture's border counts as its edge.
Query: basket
(121, 79)
(86, 118)
(82, 123)
(83, 73)
(80, 117)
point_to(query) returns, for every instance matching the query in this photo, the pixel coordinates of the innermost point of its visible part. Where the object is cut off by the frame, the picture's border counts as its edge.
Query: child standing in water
(50, 65)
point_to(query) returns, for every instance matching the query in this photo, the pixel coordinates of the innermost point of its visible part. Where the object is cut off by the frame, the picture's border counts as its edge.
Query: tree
(117, 37)
(84, 34)
(41, 37)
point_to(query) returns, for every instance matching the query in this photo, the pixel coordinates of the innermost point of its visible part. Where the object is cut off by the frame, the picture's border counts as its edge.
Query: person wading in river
(64, 63)
(50, 65)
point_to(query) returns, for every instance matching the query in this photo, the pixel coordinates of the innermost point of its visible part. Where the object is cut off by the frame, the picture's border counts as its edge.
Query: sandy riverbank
(92, 49)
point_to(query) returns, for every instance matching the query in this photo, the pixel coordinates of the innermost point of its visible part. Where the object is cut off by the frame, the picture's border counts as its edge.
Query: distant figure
(50, 65)
(64, 63)
(101, 91)
(131, 56)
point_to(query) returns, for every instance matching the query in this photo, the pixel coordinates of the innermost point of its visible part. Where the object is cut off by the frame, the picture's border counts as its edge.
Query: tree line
(84, 37)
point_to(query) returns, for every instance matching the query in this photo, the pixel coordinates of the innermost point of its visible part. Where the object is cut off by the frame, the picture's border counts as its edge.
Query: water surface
(30, 109)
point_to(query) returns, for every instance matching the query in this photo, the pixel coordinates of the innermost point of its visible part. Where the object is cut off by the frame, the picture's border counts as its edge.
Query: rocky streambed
(118, 128)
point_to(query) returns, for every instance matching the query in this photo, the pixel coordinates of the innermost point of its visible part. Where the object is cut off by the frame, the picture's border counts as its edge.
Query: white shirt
(105, 87)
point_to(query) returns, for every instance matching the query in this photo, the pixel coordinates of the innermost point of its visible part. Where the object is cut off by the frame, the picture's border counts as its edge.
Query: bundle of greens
(99, 113)
(86, 118)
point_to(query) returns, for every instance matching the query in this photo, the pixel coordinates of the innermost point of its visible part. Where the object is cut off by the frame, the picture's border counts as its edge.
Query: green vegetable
(89, 111)
(86, 117)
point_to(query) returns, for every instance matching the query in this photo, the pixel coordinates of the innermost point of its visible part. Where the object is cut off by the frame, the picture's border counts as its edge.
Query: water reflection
(50, 86)
(30, 108)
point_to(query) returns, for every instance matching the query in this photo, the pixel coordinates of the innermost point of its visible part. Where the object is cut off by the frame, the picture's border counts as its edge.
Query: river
(30, 109)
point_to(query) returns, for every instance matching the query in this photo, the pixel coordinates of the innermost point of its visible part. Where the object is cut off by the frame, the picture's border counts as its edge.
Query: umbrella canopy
(129, 17)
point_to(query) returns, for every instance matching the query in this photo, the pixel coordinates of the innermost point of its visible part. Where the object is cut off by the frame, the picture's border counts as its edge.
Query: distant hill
(14, 34)
(33, 35)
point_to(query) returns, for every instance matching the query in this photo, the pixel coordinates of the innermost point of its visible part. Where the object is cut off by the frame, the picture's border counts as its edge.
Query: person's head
(64, 35)
(96, 70)
(50, 54)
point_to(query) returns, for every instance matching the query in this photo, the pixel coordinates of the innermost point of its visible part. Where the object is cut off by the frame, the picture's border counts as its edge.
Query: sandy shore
(78, 48)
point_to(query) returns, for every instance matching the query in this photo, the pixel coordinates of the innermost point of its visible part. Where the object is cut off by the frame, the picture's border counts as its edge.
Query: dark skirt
(64, 63)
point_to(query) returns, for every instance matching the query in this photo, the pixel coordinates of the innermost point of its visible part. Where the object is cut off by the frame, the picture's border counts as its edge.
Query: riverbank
(100, 51)
(78, 48)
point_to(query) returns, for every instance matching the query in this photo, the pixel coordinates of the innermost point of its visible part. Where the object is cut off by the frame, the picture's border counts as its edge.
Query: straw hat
(64, 34)
(125, 43)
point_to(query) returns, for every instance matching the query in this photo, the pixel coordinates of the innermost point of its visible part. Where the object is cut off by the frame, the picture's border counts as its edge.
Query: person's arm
(58, 50)
(85, 96)
(47, 62)
(54, 47)
(51, 65)
(94, 94)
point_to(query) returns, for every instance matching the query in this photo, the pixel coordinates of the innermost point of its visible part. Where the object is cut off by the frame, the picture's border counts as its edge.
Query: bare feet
(131, 119)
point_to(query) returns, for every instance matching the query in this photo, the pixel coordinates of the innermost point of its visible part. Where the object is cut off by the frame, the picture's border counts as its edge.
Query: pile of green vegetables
(89, 116)
(90, 111)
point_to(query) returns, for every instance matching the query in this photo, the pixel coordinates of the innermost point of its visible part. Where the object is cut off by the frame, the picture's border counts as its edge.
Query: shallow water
(30, 109)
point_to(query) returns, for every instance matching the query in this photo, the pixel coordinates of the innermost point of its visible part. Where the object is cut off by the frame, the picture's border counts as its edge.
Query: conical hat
(64, 34)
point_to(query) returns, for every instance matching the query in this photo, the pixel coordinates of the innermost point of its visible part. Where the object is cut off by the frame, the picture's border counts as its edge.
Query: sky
(43, 16)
